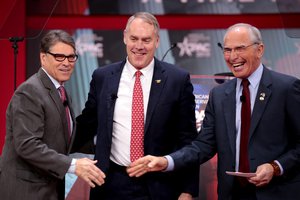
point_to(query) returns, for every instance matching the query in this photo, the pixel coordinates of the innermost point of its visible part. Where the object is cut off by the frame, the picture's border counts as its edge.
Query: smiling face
(141, 41)
(60, 71)
(242, 64)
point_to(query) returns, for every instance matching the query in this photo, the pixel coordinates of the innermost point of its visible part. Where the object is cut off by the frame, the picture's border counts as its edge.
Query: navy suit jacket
(274, 135)
(170, 123)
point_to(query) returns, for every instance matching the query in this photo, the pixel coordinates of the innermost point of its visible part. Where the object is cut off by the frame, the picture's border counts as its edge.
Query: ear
(157, 42)
(260, 50)
(124, 37)
(42, 58)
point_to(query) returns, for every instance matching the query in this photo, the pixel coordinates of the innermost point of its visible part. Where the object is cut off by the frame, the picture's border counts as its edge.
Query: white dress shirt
(120, 150)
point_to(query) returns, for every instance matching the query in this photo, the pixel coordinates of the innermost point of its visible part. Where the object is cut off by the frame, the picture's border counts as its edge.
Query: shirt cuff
(171, 164)
(72, 167)
(281, 168)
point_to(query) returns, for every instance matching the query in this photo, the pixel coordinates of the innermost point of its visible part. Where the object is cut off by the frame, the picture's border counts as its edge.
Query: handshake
(90, 173)
(147, 164)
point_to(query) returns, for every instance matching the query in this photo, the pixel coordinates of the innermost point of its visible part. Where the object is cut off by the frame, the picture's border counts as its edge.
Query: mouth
(65, 70)
(139, 53)
(238, 65)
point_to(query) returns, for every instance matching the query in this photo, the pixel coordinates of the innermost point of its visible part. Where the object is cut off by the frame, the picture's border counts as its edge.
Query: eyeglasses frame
(55, 55)
(238, 49)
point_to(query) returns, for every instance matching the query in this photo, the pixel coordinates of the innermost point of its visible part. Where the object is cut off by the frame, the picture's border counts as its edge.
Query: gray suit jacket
(274, 135)
(34, 162)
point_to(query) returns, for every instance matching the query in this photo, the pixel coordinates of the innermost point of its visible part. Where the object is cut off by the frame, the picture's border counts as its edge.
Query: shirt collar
(146, 71)
(254, 78)
(55, 82)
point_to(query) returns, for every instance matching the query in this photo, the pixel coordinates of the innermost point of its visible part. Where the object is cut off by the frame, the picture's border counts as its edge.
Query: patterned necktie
(137, 120)
(245, 127)
(63, 98)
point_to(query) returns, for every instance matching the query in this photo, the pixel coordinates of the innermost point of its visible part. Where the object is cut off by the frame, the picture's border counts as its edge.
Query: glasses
(61, 57)
(237, 50)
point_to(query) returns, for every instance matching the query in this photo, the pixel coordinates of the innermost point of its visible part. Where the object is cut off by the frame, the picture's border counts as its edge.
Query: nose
(66, 61)
(233, 54)
(139, 45)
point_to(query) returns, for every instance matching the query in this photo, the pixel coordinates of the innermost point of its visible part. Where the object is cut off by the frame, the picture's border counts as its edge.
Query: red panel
(17, 12)
(175, 22)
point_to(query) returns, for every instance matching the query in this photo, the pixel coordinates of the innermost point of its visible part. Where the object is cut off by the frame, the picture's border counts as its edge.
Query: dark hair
(55, 36)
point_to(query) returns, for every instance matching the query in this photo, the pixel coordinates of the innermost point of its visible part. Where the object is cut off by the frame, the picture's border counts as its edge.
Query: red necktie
(63, 98)
(245, 127)
(137, 120)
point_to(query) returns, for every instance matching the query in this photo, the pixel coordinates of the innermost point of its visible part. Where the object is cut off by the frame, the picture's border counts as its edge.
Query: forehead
(140, 26)
(237, 36)
(61, 47)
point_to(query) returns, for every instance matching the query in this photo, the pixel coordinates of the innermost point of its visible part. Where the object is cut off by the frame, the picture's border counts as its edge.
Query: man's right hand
(147, 164)
(89, 172)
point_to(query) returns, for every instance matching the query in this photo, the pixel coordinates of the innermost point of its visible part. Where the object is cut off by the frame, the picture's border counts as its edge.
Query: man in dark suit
(39, 129)
(168, 118)
(273, 144)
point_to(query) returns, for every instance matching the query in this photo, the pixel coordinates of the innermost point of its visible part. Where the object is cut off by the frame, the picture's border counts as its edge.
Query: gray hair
(147, 17)
(255, 34)
(53, 37)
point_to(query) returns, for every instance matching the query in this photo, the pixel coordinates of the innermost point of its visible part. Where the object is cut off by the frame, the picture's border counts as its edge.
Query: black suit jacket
(274, 135)
(170, 123)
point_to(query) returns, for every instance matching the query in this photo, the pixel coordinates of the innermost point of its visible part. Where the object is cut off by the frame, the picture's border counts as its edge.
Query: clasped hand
(147, 164)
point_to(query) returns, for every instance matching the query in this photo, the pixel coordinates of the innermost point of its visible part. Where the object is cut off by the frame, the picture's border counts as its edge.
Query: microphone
(220, 45)
(65, 103)
(172, 47)
(113, 97)
(242, 98)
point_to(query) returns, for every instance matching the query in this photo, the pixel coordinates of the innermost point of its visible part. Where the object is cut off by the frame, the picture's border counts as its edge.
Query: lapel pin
(262, 96)
(158, 81)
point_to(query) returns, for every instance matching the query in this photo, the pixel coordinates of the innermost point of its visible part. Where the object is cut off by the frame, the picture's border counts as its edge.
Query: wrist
(276, 168)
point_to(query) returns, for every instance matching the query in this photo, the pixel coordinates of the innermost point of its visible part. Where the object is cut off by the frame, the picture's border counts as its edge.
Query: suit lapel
(73, 120)
(112, 83)
(158, 82)
(53, 93)
(262, 98)
(229, 105)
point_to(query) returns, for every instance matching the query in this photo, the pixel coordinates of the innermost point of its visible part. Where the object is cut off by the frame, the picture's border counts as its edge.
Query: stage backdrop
(196, 51)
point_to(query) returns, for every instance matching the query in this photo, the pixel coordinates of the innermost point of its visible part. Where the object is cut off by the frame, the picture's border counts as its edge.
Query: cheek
(227, 60)
(129, 46)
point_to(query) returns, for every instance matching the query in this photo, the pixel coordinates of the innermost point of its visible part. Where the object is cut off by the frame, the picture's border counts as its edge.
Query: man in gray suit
(39, 127)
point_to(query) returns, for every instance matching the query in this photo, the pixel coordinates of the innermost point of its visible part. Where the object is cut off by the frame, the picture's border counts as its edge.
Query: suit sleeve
(189, 157)
(203, 147)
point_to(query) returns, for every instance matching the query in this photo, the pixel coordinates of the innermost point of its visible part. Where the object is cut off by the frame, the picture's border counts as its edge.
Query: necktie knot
(138, 74)
(62, 92)
(245, 83)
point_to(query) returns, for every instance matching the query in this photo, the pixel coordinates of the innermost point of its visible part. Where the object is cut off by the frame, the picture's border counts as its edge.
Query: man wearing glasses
(251, 122)
(39, 129)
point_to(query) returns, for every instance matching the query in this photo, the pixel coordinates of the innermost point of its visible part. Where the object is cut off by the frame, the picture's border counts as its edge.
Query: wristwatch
(276, 168)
